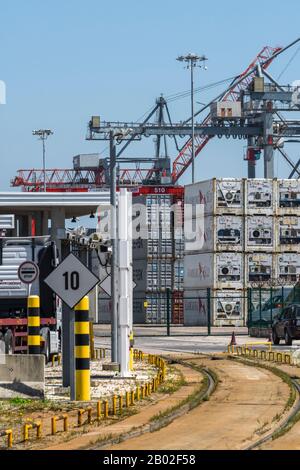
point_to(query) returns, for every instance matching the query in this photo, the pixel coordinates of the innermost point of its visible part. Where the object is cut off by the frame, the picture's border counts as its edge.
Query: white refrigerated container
(260, 233)
(260, 196)
(218, 196)
(214, 270)
(287, 268)
(259, 267)
(288, 233)
(288, 196)
(216, 233)
(227, 307)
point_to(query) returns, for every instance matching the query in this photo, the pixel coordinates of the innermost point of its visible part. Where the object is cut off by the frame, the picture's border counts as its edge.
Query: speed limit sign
(71, 280)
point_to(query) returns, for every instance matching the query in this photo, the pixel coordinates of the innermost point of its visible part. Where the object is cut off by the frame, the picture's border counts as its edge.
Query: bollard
(263, 355)
(89, 413)
(80, 414)
(38, 425)
(54, 421)
(82, 351)
(287, 359)
(120, 404)
(127, 396)
(99, 404)
(271, 353)
(9, 434)
(34, 323)
(131, 341)
(143, 392)
(132, 397)
(105, 403)
(53, 425)
(65, 419)
(138, 393)
(114, 405)
(26, 429)
(279, 357)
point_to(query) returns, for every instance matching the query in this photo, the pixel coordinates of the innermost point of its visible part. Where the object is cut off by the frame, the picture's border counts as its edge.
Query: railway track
(227, 405)
(283, 427)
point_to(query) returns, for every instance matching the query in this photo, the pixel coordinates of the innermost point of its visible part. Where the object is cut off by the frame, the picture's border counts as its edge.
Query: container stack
(158, 258)
(216, 260)
(250, 237)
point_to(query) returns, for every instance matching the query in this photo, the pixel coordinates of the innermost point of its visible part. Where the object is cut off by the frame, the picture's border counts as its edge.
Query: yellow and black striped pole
(131, 351)
(34, 324)
(82, 351)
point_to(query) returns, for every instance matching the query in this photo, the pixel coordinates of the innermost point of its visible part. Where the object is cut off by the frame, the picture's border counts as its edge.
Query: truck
(13, 295)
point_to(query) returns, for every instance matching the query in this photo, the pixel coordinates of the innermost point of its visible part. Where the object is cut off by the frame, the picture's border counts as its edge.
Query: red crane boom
(184, 158)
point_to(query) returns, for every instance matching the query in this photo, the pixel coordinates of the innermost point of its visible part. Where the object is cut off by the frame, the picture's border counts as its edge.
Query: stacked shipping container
(158, 258)
(251, 235)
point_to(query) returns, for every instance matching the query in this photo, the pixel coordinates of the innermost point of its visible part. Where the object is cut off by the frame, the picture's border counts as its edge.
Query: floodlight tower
(43, 135)
(193, 60)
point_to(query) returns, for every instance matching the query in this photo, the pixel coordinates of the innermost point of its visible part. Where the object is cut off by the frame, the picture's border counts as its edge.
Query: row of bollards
(105, 408)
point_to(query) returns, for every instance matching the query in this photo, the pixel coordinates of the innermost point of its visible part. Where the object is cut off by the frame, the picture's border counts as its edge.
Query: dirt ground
(244, 406)
(157, 404)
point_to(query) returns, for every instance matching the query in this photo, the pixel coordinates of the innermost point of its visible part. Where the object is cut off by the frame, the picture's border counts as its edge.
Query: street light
(43, 135)
(193, 60)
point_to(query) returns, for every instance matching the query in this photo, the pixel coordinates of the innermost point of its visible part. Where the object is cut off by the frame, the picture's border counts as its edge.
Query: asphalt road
(152, 340)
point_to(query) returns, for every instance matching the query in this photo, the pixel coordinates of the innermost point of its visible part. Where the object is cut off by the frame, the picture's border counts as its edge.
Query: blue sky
(63, 61)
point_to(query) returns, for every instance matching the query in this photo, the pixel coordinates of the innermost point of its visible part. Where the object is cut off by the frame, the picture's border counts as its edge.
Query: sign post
(72, 281)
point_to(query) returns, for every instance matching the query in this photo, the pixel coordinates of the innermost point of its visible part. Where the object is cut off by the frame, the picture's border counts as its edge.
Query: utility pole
(43, 135)
(193, 60)
(114, 273)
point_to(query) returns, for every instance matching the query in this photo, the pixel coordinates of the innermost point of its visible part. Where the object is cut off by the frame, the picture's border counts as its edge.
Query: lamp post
(193, 60)
(43, 135)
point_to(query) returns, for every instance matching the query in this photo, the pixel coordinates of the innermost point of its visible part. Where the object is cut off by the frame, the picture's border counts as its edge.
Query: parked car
(286, 325)
(270, 309)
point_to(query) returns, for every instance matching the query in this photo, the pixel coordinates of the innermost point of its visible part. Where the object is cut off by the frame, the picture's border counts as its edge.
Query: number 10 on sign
(71, 280)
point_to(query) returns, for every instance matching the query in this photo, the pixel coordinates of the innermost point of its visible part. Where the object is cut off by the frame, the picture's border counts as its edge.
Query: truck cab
(13, 294)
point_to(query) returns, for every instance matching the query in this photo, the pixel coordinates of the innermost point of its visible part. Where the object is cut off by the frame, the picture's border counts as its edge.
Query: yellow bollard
(9, 434)
(120, 404)
(53, 425)
(89, 412)
(82, 351)
(99, 403)
(105, 403)
(132, 397)
(127, 399)
(287, 358)
(26, 429)
(38, 425)
(279, 357)
(80, 415)
(138, 393)
(34, 324)
(114, 405)
(143, 392)
(66, 422)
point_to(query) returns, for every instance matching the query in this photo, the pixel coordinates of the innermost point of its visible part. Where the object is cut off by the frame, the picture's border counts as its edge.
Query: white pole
(124, 243)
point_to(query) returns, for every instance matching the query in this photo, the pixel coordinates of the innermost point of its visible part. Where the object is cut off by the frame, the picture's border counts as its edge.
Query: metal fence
(265, 304)
(195, 313)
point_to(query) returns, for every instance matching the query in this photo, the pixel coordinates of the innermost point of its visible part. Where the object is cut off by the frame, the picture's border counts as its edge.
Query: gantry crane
(256, 124)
